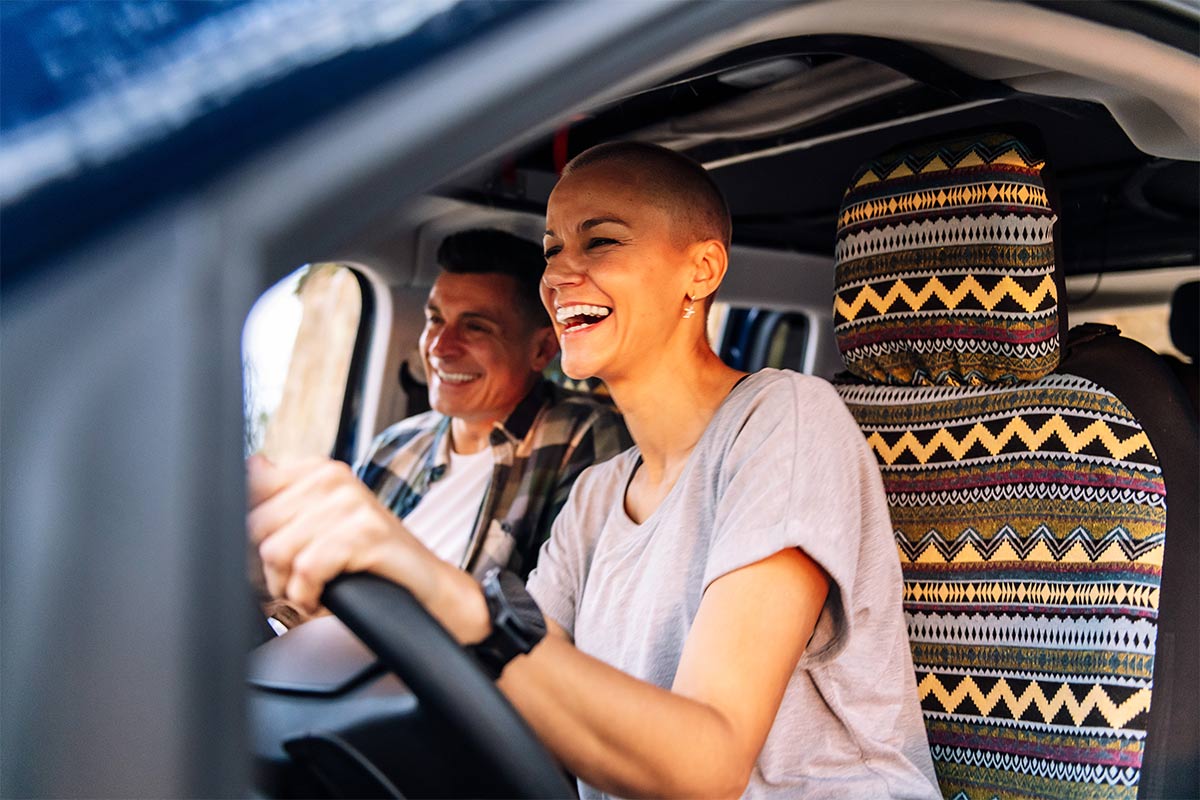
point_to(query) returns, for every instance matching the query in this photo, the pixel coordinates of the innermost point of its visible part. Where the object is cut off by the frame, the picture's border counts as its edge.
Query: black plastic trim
(348, 425)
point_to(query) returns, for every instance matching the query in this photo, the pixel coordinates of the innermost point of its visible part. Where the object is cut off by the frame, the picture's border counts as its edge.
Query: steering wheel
(446, 681)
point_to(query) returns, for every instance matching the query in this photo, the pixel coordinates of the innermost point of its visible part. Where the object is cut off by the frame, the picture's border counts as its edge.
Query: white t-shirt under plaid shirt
(538, 452)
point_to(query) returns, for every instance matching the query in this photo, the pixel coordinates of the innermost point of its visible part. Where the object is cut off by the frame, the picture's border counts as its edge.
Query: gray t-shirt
(782, 464)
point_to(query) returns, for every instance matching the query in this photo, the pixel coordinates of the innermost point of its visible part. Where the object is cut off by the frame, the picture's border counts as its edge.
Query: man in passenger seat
(480, 478)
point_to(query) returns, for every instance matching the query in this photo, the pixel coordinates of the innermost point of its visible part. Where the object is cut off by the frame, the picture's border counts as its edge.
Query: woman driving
(721, 601)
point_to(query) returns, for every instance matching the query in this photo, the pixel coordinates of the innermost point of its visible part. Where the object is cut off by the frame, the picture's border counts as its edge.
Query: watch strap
(517, 622)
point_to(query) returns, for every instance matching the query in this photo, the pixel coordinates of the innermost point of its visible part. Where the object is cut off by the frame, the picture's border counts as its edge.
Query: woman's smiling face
(616, 276)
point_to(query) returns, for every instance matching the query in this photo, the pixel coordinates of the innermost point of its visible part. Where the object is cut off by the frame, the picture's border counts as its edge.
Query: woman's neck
(668, 404)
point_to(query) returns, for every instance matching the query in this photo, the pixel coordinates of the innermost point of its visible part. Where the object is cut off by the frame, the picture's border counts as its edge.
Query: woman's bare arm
(701, 738)
(619, 734)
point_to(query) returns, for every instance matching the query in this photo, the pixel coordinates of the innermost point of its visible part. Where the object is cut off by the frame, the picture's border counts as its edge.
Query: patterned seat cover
(1028, 506)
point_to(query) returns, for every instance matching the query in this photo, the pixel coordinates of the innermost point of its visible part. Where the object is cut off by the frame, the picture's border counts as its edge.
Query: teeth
(565, 313)
(455, 377)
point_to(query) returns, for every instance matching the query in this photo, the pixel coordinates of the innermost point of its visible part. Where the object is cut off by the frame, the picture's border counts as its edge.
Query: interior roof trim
(805, 144)
(1138, 70)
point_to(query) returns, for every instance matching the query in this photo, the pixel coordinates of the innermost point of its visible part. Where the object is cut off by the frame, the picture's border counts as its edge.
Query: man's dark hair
(487, 250)
(683, 185)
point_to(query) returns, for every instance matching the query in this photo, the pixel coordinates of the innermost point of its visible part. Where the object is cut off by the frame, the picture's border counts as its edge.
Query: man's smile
(456, 377)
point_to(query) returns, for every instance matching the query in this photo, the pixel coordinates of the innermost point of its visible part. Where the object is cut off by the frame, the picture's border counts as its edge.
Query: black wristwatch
(517, 622)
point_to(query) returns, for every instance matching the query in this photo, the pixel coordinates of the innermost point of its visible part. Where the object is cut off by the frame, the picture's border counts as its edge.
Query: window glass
(298, 346)
(752, 338)
(1138, 303)
(1149, 325)
(788, 343)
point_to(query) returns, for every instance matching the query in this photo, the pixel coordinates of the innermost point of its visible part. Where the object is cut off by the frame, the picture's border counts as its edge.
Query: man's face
(481, 354)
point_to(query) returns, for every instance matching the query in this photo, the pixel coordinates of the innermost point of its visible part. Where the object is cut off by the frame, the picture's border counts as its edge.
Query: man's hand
(314, 520)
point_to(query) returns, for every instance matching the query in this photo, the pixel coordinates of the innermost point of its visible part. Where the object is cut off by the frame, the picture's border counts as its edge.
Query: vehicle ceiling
(782, 124)
(782, 106)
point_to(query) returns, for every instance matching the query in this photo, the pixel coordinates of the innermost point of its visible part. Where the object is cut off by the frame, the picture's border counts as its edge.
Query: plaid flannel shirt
(551, 436)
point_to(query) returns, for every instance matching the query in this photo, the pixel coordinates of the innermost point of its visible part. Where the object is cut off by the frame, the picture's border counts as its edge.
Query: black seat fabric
(1136, 374)
(1185, 335)
(1030, 505)
(1185, 319)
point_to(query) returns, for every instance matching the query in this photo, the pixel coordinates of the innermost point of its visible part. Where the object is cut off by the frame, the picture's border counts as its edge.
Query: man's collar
(514, 429)
(517, 426)
(438, 460)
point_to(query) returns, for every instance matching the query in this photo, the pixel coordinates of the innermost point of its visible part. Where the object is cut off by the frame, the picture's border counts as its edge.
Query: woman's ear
(709, 260)
(544, 346)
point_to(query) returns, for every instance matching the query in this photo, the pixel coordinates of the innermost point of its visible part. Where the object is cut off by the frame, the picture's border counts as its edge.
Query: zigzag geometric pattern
(969, 286)
(994, 150)
(1046, 702)
(1028, 508)
(1008, 545)
(1032, 271)
(1009, 435)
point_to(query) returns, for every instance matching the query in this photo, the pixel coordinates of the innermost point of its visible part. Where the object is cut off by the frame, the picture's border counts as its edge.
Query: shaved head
(673, 181)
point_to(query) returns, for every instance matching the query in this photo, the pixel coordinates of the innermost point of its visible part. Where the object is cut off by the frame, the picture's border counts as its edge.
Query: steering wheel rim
(413, 645)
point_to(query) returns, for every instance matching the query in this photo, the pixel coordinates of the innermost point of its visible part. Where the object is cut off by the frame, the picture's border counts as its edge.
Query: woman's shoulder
(606, 476)
(805, 404)
(785, 385)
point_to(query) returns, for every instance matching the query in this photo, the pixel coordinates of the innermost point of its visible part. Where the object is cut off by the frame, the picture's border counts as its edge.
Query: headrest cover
(945, 267)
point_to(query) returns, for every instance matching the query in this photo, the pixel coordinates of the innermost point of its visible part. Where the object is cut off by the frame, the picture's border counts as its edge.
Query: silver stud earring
(690, 311)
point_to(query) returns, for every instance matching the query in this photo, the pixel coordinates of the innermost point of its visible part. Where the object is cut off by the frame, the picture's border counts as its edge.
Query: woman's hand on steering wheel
(314, 520)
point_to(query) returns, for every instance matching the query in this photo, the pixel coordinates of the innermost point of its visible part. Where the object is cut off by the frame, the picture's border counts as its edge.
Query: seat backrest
(1185, 335)
(1029, 505)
